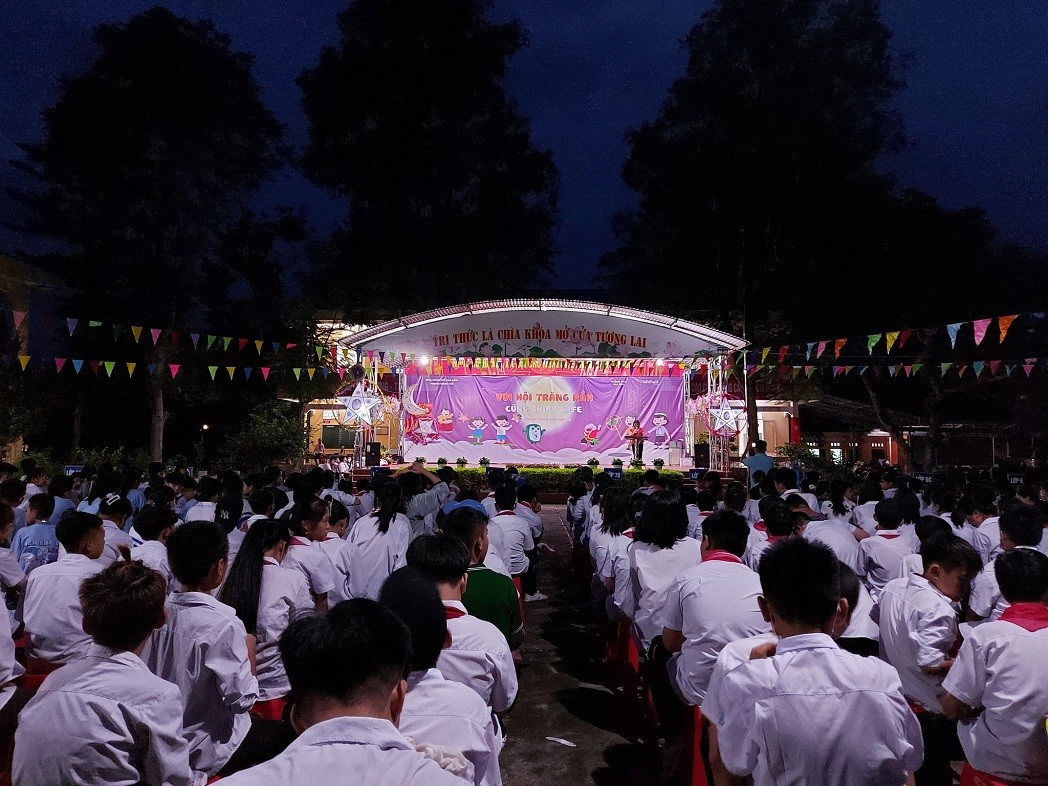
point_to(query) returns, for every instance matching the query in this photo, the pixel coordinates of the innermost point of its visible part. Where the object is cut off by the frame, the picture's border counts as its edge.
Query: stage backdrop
(539, 419)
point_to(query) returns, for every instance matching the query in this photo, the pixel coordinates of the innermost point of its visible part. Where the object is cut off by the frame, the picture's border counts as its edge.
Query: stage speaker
(701, 455)
(373, 454)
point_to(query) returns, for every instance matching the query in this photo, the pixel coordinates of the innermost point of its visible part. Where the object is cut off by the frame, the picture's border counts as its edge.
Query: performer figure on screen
(477, 426)
(635, 435)
(501, 426)
(660, 435)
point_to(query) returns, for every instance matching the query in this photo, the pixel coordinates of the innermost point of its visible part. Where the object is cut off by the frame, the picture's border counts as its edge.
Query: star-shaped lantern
(362, 405)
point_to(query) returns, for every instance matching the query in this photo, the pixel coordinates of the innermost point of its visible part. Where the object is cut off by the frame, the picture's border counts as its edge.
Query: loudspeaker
(701, 455)
(373, 454)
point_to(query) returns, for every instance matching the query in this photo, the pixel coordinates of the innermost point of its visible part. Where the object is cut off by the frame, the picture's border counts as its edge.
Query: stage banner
(539, 420)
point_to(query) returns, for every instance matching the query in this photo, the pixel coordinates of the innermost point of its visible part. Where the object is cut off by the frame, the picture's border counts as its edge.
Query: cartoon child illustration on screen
(445, 422)
(502, 425)
(591, 434)
(660, 435)
(477, 425)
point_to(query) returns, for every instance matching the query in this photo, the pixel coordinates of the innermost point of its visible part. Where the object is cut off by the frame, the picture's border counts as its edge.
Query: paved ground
(561, 691)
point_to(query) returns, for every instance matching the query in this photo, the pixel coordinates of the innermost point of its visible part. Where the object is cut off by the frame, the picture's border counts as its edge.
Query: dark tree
(763, 147)
(149, 160)
(449, 198)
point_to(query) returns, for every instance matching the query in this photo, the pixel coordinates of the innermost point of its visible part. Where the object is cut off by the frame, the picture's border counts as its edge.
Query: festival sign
(540, 419)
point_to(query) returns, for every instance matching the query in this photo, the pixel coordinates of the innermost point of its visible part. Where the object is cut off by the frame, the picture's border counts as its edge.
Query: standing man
(759, 460)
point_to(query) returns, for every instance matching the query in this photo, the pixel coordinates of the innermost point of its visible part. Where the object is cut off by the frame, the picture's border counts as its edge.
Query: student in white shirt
(1021, 528)
(881, 555)
(308, 522)
(377, 545)
(206, 498)
(709, 605)
(981, 513)
(659, 553)
(703, 505)
(338, 525)
(997, 686)
(347, 671)
(919, 637)
(785, 480)
(154, 525)
(779, 524)
(776, 716)
(864, 516)
(436, 710)
(114, 510)
(105, 719)
(841, 504)
(515, 530)
(611, 540)
(927, 527)
(267, 598)
(478, 655)
(54, 622)
(204, 650)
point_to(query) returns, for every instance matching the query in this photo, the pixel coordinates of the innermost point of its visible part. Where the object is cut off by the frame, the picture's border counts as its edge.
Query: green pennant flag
(117, 330)
(811, 370)
(109, 365)
(225, 341)
(212, 369)
(871, 342)
(944, 367)
(917, 367)
(298, 372)
(211, 341)
(320, 352)
(93, 323)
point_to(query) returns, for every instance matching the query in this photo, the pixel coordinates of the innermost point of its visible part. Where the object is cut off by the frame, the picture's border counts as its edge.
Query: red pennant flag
(241, 343)
(95, 364)
(341, 373)
(175, 335)
(994, 365)
(291, 346)
(838, 345)
(903, 336)
(59, 362)
(173, 368)
(782, 353)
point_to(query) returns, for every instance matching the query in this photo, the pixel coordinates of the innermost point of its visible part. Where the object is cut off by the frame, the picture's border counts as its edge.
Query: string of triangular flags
(896, 339)
(113, 368)
(974, 368)
(496, 366)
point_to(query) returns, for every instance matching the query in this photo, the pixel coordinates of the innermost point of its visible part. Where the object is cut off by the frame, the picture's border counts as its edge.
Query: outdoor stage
(540, 382)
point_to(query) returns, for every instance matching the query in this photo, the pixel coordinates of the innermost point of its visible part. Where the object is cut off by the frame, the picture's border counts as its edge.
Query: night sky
(976, 105)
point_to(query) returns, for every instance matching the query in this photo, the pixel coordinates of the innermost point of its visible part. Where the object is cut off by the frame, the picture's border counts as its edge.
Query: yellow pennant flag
(131, 369)
(136, 331)
(24, 360)
(258, 345)
(231, 370)
(311, 371)
(891, 339)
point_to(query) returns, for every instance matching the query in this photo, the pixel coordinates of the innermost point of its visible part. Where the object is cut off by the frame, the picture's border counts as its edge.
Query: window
(338, 437)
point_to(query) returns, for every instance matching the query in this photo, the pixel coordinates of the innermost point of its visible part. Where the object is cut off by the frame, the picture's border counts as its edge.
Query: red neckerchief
(887, 535)
(297, 541)
(719, 555)
(504, 513)
(776, 538)
(629, 533)
(1028, 616)
(525, 504)
(451, 613)
(760, 526)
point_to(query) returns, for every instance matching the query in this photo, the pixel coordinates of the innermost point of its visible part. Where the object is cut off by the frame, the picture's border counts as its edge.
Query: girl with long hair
(377, 545)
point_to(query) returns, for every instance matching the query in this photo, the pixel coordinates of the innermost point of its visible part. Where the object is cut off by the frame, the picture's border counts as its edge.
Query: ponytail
(389, 501)
(244, 582)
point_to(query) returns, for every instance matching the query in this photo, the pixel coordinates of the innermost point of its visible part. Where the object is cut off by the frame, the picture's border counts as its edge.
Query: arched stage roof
(543, 328)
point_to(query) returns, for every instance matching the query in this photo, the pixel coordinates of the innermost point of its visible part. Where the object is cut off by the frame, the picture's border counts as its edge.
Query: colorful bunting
(225, 341)
(136, 331)
(247, 372)
(838, 345)
(258, 345)
(265, 372)
(904, 335)
(24, 361)
(175, 336)
(212, 370)
(871, 342)
(1003, 324)
(71, 324)
(822, 348)
(155, 333)
(211, 340)
(173, 368)
(131, 369)
(59, 362)
(109, 365)
(152, 369)
(77, 365)
(953, 330)
(979, 327)
(95, 365)
(298, 372)
(310, 372)
(241, 343)
(19, 318)
(891, 338)
(195, 338)
(231, 370)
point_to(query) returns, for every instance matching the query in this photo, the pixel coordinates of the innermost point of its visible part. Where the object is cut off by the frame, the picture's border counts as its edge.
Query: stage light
(424, 360)
(660, 362)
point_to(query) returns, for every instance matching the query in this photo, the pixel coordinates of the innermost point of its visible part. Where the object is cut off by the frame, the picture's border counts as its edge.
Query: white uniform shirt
(203, 650)
(731, 656)
(369, 556)
(616, 553)
(114, 537)
(497, 545)
(489, 505)
(777, 713)
(518, 539)
(524, 511)
(441, 712)
(153, 554)
(307, 556)
(826, 508)
(202, 511)
(600, 544)
(837, 536)
(54, 621)
(755, 550)
(367, 751)
(711, 603)
(103, 719)
(695, 519)
(863, 516)
(283, 598)
(861, 624)
(751, 511)
(810, 499)
(985, 599)
(990, 529)
(652, 572)
(479, 658)
(880, 559)
(918, 626)
(10, 668)
(975, 537)
(1043, 545)
(1003, 667)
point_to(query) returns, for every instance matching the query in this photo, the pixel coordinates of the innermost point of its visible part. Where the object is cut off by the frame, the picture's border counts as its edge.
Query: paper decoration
(195, 338)
(71, 324)
(904, 336)
(247, 372)
(1028, 365)
(1003, 324)
(265, 372)
(131, 369)
(59, 362)
(95, 365)
(212, 370)
(953, 330)
(20, 318)
(175, 336)
(944, 367)
(173, 368)
(241, 343)
(77, 365)
(276, 346)
(93, 323)
(291, 345)
(231, 370)
(155, 333)
(341, 373)
(211, 340)
(136, 331)
(994, 366)
(979, 327)
(298, 373)
(310, 372)
(871, 342)
(24, 361)
(258, 346)
(891, 338)
(109, 365)
(117, 330)
(152, 369)
(225, 341)
(320, 352)
(764, 354)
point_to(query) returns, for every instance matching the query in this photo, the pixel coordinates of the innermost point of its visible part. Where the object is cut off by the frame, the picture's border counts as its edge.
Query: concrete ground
(562, 693)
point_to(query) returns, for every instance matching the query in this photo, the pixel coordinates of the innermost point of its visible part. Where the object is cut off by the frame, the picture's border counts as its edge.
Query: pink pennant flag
(155, 333)
(59, 362)
(265, 372)
(291, 346)
(1028, 365)
(341, 373)
(19, 319)
(821, 349)
(979, 326)
(173, 368)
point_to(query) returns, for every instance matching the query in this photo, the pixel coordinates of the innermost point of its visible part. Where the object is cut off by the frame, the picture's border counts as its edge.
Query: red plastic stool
(520, 596)
(273, 709)
(973, 777)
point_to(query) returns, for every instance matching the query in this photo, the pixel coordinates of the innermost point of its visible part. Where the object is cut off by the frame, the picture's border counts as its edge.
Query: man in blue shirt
(760, 460)
(36, 543)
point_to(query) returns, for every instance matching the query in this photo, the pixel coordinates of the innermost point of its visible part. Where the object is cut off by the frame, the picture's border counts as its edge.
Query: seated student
(860, 634)
(114, 510)
(576, 510)
(785, 480)
(338, 524)
(186, 498)
(601, 536)
(709, 605)
(778, 524)
(36, 543)
(919, 637)
(54, 622)
(770, 724)
(104, 719)
(980, 511)
(154, 525)
(997, 686)
(438, 711)
(703, 505)
(836, 531)
(864, 515)
(659, 553)
(37, 481)
(207, 493)
(478, 656)
(514, 531)
(377, 545)
(881, 555)
(267, 598)
(926, 528)
(1021, 528)
(490, 595)
(614, 535)
(12, 579)
(12, 494)
(346, 716)
(528, 508)
(203, 649)
(61, 489)
(308, 522)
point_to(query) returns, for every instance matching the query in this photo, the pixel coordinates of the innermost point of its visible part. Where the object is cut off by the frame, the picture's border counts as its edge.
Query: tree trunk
(749, 328)
(908, 461)
(157, 414)
(78, 420)
(934, 438)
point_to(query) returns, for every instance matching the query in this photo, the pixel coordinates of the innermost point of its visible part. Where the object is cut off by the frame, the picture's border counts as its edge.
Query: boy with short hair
(36, 543)
(36, 481)
(186, 498)
(997, 685)
(154, 525)
(105, 718)
(346, 715)
(203, 649)
(774, 726)
(61, 491)
(1022, 527)
(436, 710)
(12, 493)
(478, 656)
(516, 531)
(920, 636)
(54, 621)
(881, 555)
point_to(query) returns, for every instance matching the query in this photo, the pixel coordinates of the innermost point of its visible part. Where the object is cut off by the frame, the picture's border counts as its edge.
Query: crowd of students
(832, 635)
(260, 629)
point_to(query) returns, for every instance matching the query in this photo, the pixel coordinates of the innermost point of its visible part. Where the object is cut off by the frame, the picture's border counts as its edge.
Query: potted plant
(484, 461)
(461, 461)
(420, 459)
(658, 463)
(442, 461)
(637, 464)
(594, 462)
(616, 462)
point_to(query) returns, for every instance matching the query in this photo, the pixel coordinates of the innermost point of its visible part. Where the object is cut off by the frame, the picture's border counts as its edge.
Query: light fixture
(205, 427)
(424, 359)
